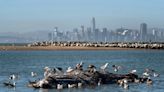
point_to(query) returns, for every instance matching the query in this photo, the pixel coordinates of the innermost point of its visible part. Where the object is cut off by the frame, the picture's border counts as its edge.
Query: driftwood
(84, 78)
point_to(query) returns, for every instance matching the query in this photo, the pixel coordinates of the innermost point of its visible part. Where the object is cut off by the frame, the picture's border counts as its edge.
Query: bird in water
(13, 77)
(10, 84)
(155, 74)
(149, 81)
(116, 67)
(33, 74)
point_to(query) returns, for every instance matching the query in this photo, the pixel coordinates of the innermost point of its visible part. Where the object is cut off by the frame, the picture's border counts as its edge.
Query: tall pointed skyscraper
(94, 28)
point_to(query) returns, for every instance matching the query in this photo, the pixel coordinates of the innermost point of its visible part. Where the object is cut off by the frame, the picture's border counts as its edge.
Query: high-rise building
(89, 34)
(104, 34)
(82, 33)
(94, 27)
(143, 32)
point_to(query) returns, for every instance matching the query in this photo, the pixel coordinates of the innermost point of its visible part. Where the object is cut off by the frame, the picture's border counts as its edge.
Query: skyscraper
(94, 28)
(143, 32)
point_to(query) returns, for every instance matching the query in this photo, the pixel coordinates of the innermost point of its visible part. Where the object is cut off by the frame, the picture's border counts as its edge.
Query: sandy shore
(60, 48)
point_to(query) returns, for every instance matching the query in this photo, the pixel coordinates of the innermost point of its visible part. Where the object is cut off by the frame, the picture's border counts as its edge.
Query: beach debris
(77, 78)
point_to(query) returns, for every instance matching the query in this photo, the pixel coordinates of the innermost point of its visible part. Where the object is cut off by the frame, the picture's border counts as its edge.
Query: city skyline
(90, 33)
(25, 16)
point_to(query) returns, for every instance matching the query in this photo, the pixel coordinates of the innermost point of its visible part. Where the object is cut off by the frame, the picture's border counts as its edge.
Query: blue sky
(31, 15)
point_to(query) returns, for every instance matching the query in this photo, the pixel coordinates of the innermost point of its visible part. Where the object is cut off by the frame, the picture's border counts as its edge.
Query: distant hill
(25, 37)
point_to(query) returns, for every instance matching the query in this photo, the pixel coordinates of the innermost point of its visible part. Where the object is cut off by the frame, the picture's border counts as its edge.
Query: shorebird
(33, 74)
(104, 66)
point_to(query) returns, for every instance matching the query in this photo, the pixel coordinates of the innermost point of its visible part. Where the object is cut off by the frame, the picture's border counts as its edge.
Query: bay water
(23, 63)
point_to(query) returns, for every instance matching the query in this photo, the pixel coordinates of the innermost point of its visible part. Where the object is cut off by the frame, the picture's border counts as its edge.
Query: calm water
(23, 62)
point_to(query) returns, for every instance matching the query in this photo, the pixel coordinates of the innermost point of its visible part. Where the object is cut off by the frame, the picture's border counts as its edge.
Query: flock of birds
(124, 83)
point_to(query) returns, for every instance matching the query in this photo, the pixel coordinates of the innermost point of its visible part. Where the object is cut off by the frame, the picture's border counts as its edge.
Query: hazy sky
(30, 15)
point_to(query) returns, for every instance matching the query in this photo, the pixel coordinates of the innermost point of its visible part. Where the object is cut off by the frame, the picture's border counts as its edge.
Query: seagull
(79, 84)
(9, 84)
(155, 74)
(104, 66)
(126, 86)
(33, 74)
(59, 86)
(133, 71)
(146, 74)
(81, 63)
(99, 82)
(92, 68)
(116, 68)
(149, 81)
(79, 66)
(58, 70)
(69, 70)
(71, 85)
(47, 71)
(12, 77)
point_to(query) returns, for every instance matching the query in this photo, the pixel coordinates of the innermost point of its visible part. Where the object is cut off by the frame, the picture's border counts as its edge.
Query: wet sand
(60, 48)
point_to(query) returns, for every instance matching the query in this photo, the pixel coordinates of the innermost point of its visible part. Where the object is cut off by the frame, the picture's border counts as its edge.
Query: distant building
(94, 28)
(104, 34)
(143, 32)
(89, 34)
(82, 33)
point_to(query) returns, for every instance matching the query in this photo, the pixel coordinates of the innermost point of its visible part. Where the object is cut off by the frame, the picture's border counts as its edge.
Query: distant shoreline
(25, 48)
(60, 48)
